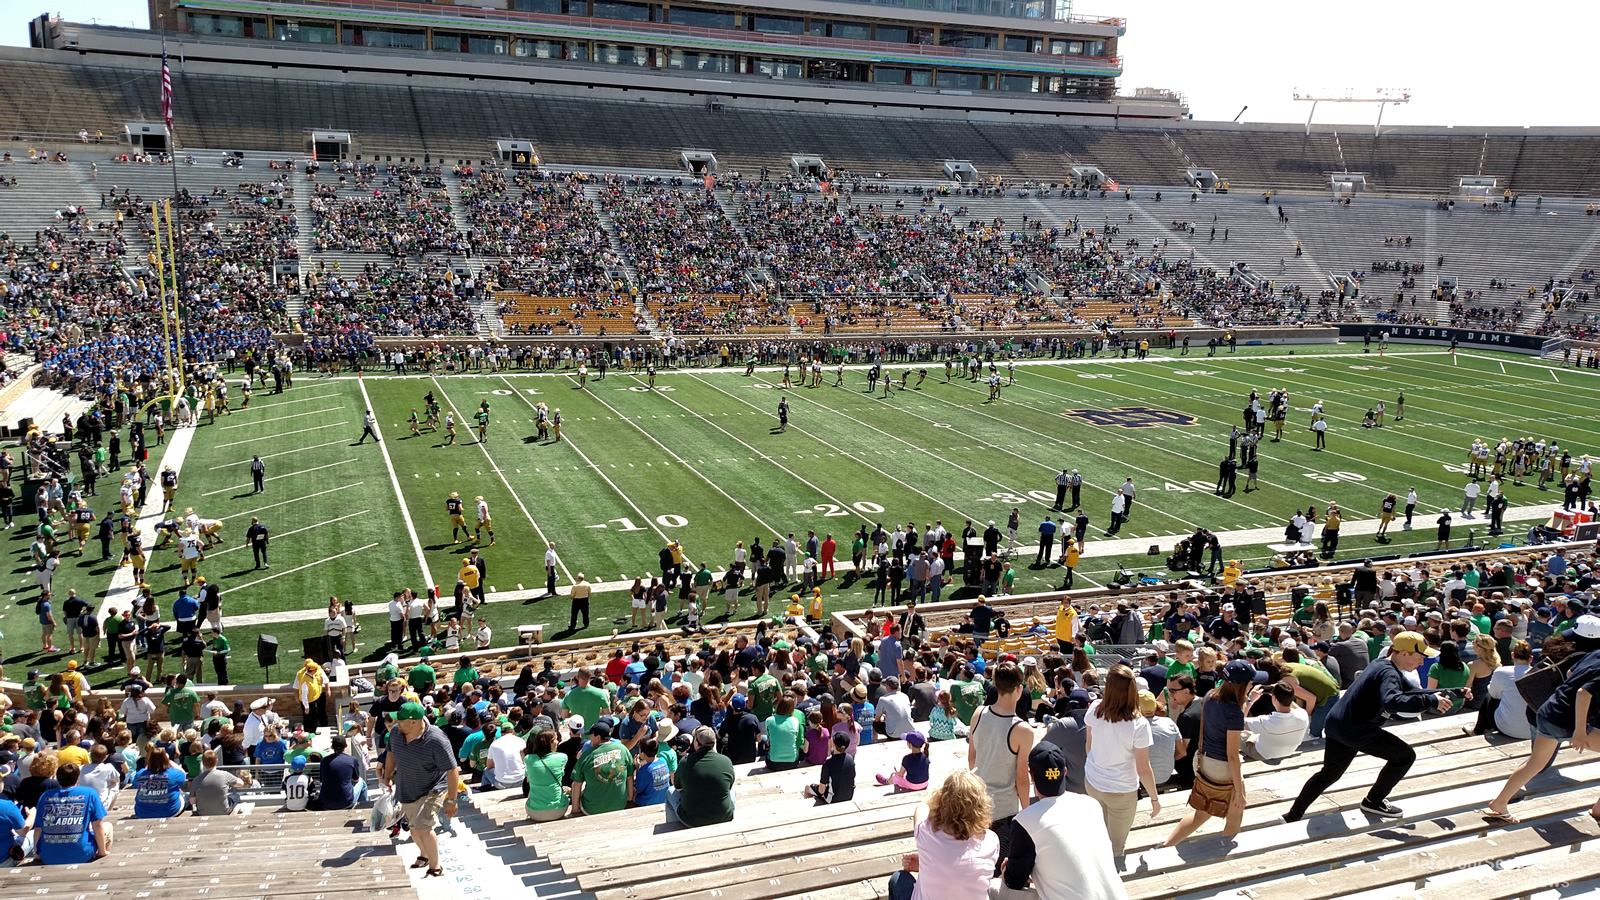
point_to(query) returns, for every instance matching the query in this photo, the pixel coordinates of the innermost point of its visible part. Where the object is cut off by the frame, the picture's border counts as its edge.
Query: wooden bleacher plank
(812, 880)
(761, 876)
(715, 861)
(1405, 845)
(1525, 881)
(576, 860)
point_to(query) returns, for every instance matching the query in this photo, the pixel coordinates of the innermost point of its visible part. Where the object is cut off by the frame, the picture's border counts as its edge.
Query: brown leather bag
(1207, 796)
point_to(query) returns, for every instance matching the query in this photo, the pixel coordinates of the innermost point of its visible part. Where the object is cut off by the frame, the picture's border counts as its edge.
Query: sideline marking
(394, 480)
(122, 579)
(276, 477)
(295, 400)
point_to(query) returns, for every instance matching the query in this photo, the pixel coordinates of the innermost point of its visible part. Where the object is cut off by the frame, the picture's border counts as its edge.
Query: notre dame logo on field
(1132, 417)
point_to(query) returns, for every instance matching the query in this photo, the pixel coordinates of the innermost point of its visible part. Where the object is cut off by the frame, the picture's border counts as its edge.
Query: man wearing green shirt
(967, 695)
(586, 699)
(218, 648)
(702, 586)
(465, 674)
(764, 690)
(1315, 686)
(388, 670)
(421, 677)
(602, 779)
(181, 700)
(33, 690)
(704, 783)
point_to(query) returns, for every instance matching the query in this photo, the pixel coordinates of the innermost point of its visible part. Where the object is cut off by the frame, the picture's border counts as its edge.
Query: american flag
(166, 91)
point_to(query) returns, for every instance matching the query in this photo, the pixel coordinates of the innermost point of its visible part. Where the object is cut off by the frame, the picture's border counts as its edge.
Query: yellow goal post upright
(171, 318)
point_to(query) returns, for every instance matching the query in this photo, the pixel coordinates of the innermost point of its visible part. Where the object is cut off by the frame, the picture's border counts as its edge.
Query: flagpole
(174, 240)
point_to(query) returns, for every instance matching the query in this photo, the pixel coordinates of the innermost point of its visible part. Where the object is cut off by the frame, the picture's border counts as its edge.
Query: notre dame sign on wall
(1132, 417)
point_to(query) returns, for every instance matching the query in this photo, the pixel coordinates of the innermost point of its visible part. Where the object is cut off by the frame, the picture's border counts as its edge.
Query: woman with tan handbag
(1218, 779)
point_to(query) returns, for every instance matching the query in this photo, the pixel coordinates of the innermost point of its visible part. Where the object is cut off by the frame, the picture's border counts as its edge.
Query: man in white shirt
(1058, 844)
(1511, 713)
(397, 622)
(505, 768)
(1277, 735)
(101, 776)
(894, 709)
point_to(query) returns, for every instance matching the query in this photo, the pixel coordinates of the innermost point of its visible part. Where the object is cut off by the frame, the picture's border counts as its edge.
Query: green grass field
(697, 460)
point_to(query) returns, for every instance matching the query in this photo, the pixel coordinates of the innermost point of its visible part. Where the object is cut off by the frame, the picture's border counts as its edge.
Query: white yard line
(544, 542)
(295, 400)
(685, 463)
(276, 537)
(400, 498)
(848, 455)
(123, 590)
(314, 412)
(246, 462)
(279, 435)
(251, 512)
(590, 463)
(309, 565)
(762, 454)
(235, 487)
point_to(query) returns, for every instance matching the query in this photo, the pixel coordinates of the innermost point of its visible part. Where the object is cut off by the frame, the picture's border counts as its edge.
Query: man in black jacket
(1364, 582)
(1356, 726)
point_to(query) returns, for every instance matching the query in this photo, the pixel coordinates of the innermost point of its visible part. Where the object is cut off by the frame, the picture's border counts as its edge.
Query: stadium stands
(272, 110)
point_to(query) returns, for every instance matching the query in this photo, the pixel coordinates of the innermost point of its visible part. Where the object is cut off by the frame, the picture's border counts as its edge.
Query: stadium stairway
(782, 846)
(44, 406)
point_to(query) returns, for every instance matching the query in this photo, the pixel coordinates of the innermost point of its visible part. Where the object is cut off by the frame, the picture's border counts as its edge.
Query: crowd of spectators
(676, 235)
(544, 229)
(404, 300)
(404, 211)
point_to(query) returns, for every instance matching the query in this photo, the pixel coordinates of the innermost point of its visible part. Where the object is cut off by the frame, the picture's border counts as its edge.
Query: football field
(698, 459)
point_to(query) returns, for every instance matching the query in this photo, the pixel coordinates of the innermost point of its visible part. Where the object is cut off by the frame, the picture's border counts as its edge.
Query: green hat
(780, 645)
(425, 652)
(411, 711)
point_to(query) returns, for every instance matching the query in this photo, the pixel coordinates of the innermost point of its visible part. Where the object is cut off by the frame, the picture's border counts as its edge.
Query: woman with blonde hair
(1118, 755)
(956, 852)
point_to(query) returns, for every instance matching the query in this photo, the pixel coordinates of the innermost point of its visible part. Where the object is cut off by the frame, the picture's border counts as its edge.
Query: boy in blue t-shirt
(864, 714)
(652, 778)
(67, 826)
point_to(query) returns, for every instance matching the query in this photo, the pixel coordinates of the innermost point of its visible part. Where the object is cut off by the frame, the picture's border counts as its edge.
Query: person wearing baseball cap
(1568, 715)
(420, 769)
(1052, 846)
(1355, 726)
